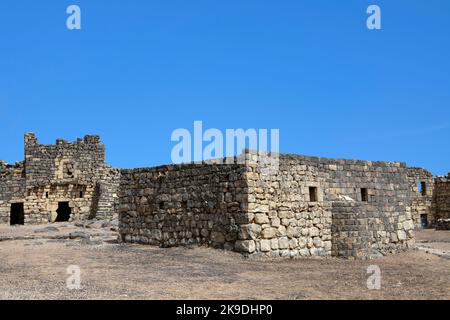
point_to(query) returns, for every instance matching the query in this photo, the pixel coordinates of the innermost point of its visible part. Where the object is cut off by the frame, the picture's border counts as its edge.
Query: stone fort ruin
(60, 182)
(311, 206)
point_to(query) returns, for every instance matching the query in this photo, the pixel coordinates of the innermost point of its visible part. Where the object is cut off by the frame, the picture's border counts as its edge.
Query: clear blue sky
(140, 69)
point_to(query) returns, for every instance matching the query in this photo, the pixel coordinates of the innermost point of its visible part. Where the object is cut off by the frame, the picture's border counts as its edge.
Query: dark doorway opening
(17, 214)
(63, 212)
(424, 220)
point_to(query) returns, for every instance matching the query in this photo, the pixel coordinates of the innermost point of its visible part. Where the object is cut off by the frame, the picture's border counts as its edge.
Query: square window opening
(364, 195)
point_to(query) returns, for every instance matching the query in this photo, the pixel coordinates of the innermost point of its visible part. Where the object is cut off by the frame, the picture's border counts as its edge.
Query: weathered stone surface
(249, 231)
(46, 229)
(247, 246)
(79, 234)
(261, 218)
(283, 243)
(265, 245)
(268, 233)
(401, 234)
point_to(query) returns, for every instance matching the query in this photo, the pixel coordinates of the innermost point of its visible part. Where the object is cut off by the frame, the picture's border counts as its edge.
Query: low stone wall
(359, 230)
(182, 204)
(304, 232)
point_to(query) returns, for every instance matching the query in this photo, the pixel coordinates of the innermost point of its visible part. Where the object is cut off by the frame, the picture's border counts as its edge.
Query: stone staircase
(107, 201)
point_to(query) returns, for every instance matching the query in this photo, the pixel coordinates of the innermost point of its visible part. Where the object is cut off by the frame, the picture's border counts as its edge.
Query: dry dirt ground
(34, 261)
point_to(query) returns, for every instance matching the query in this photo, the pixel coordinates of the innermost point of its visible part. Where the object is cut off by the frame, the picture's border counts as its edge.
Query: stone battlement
(30, 139)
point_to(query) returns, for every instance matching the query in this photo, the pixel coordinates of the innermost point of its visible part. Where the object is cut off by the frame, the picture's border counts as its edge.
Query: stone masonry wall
(73, 172)
(182, 204)
(64, 161)
(421, 200)
(285, 221)
(441, 203)
(65, 171)
(12, 188)
(281, 219)
(106, 199)
(246, 209)
(360, 230)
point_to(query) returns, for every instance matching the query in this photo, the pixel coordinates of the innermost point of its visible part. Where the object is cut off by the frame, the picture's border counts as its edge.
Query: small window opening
(81, 194)
(69, 172)
(364, 195)
(423, 188)
(161, 205)
(46, 194)
(313, 194)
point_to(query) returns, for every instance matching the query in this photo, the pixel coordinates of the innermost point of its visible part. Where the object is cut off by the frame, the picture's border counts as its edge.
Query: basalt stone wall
(290, 210)
(63, 161)
(421, 184)
(183, 204)
(441, 202)
(360, 230)
(350, 234)
(12, 188)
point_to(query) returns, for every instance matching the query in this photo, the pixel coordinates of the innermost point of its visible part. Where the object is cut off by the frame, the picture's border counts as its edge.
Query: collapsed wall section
(182, 204)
